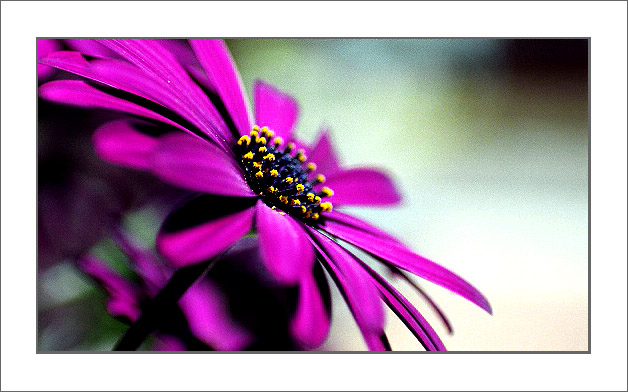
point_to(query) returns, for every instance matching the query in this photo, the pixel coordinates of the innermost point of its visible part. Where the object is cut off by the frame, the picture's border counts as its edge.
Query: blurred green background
(488, 141)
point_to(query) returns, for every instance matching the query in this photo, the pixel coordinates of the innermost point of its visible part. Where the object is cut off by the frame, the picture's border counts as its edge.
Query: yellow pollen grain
(264, 129)
(282, 213)
(244, 139)
(257, 165)
(303, 209)
(310, 197)
(315, 216)
(328, 191)
(311, 166)
(256, 128)
(289, 180)
(300, 187)
(274, 173)
(283, 199)
(308, 214)
(317, 199)
(259, 174)
(320, 178)
(248, 155)
(269, 157)
(254, 134)
(301, 156)
(272, 189)
(291, 146)
(327, 206)
(270, 134)
(262, 149)
(295, 202)
(278, 141)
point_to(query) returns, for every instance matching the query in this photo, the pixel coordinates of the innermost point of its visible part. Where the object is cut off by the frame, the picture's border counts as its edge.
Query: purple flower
(250, 177)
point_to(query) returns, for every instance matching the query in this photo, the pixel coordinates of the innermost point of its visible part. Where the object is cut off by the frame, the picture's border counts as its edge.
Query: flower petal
(168, 343)
(155, 60)
(324, 155)
(349, 220)
(124, 295)
(398, 255)
(128, 78)
(406, 312)
(312, 322)
(223, 74)
(90, 47)
(284, 244)
(78, 93)
(206, 311)
(360, 293)
(45, 46)
(362, 187)
(204, 227)
(197, 165)
(120, 143)
(275, 109)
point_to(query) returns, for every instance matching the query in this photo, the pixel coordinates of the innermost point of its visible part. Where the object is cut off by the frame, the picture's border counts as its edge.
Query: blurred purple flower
(249, 177)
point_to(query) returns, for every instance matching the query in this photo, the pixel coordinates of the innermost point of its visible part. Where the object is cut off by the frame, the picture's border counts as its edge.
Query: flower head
(249, 176)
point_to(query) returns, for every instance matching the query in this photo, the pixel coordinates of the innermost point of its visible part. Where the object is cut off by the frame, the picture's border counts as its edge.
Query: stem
(151, 315)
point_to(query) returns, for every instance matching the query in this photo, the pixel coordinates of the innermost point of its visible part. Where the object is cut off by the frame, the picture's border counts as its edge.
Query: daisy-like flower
(251, 174)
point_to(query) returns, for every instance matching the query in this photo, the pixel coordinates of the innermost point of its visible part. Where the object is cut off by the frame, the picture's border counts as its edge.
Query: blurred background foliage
(488, 140)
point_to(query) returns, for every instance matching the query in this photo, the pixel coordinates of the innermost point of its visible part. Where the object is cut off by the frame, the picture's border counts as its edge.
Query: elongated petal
(275, 109)
(285, 247)
(197, 165)
(81, 94)
(90, 47)
(406, 312)
(362, 187)
(204, 227)
(120, 143)
(223, 74)
(324, 155)
(206, 311)
(128, 78)
(123, 299)
(45, 46)
(368, 307)
(311, 323)
(168, 343)
(152, 57)
(398, 255)
(349, 220)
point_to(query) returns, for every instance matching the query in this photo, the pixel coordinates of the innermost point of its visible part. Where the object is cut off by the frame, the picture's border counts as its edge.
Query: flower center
(281, 178)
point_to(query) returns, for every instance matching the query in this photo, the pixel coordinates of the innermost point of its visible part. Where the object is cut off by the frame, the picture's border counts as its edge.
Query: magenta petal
(362, 187)
(90, 47)
(197, 165)
(284, 245)
(124, 295)
(311, 323)
(81, 94)
(118, 142)
(324, 155)
(362, 296)
(275, 109)
(349, 220)
(406, 312)
(151, 57)
(207, 313)
(168, 343)
(223, 74)
(45, 46)
(397, 254)
(206, 240)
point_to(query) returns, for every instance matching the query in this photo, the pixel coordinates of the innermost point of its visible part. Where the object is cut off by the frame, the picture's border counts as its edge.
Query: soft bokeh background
(488, 140)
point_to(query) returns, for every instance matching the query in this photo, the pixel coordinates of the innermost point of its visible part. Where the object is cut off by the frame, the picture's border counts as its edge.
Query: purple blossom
(249, 177)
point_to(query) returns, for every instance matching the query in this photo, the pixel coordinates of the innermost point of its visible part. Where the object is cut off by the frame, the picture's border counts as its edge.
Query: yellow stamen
(301, 156)
(311, 166)
(244, 139)
(262, 149)
(259, 174)
(315, 216)
(264, 129)
(327, 206)
(320, 178)
(310, 197)
(303, 209)
(274, 173)
(289, 180)
(248, 155)
(295, 202)
(283, 199)
(272, 189)
(327, 191)
(300, 187)
(308, 214)
(254, 134)
(257, 165)
(256, 128)
(278, 141)
(270, 134)
(282, 213)
(269, 157)
(317, 199)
